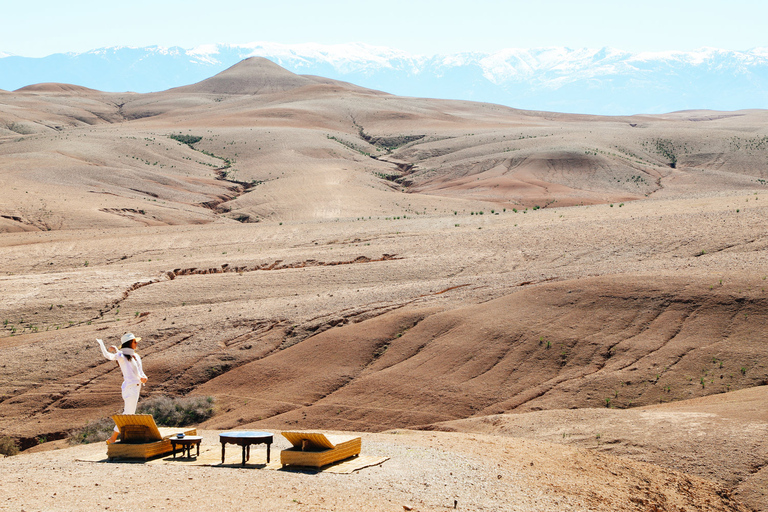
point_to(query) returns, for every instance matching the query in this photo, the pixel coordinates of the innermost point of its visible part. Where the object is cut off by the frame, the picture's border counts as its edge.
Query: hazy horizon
(424, 27)
(203, 47)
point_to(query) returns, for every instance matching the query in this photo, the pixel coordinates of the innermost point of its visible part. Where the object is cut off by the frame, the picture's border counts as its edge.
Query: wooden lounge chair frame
(140, 438)
(318, 450)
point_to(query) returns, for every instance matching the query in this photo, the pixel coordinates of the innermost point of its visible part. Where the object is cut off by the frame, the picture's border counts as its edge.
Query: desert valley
(523, 310)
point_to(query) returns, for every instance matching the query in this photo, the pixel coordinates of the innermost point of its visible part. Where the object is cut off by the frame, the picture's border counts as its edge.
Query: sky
(43, 27)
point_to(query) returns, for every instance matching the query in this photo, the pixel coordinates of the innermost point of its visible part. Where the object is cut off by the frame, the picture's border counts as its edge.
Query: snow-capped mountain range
(594, 81)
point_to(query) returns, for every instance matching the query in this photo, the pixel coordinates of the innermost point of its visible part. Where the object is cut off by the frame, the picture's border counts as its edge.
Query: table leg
(198, 449)
(173, 447)
(268, 444)
(222, 451)
(244, 459)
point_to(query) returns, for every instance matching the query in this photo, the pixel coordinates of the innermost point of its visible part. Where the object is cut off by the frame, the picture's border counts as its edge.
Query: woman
(133, 373)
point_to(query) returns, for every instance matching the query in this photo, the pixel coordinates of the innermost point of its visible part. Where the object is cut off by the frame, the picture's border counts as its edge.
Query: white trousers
(131, 398)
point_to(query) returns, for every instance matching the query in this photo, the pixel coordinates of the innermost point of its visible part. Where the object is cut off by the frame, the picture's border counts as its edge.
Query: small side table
(186, 443)
(245, 439)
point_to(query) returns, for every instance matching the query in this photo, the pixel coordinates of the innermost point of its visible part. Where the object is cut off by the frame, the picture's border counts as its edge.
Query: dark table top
(245, 435)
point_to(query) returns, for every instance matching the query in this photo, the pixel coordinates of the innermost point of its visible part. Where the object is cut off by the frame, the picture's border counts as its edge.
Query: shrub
(186, 139)
(178, 412)
(96, 431)
(8, 446)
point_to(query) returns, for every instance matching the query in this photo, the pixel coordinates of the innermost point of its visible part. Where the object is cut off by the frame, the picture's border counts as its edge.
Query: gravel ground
(426, 471)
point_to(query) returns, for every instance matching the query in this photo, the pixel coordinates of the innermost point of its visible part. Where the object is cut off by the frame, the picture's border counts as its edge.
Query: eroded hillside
(257, 142)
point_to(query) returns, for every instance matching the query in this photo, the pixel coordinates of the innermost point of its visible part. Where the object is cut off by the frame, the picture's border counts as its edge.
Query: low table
(245, 439)
(186, 443)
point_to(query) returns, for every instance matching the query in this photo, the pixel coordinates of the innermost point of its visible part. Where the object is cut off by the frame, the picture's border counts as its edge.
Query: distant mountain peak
(254, 75)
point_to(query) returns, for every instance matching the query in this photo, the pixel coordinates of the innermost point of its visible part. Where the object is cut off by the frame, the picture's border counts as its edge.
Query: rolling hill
(315, 254)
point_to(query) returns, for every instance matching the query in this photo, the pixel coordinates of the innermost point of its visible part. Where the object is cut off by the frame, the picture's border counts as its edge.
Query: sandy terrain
(499, 286)
(425, 471)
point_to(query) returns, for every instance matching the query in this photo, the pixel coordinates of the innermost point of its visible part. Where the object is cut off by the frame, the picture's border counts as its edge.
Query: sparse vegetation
(667, 149)
(92, 432)
(189, 140)
(8, 446)
(347, 144)
(178, 412)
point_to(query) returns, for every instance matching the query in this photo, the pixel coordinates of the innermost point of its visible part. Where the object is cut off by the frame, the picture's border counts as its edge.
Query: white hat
(127, 337)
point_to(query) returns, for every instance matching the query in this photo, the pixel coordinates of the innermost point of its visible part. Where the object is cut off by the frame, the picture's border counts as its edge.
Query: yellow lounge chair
(317, 450)
(141, 439)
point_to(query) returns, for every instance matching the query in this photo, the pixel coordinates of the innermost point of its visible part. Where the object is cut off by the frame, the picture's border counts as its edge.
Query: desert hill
(56, 87)
(522, 352)
(256, 75)
(318, 255)
(250, 76)
(453, 156)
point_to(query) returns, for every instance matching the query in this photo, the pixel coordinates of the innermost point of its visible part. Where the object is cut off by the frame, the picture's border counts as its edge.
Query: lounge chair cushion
(319, 449)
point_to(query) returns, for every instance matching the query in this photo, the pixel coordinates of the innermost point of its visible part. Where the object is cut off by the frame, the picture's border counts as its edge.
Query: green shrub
(8, 446)
(178, 412)
(186, 139)
(96, 431)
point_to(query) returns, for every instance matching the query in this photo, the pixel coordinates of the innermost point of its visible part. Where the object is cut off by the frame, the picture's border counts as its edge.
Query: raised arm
(104, 351)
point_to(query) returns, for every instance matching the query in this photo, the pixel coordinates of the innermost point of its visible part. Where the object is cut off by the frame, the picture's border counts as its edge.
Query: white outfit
(133, 372)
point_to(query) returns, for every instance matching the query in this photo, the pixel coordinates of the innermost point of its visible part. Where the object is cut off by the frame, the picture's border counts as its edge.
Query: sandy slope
(720, 437)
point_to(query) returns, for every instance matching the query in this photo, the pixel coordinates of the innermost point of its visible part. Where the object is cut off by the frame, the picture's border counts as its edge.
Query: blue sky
(42, 27)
